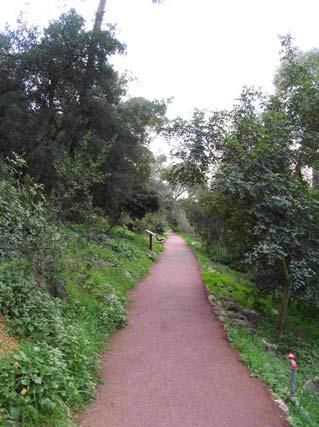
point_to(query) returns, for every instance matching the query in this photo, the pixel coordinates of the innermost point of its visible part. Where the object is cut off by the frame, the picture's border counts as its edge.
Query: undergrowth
(300, 336)
(55, 367)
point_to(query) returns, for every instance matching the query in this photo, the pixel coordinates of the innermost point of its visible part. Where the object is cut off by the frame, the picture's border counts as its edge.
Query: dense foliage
(27, 229)
(255, 203)
(62, 108)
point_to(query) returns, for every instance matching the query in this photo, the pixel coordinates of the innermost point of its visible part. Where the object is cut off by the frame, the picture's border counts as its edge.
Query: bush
(34, 382)
(28, 309)
(57, 366)
(113, 316)
(26, 229)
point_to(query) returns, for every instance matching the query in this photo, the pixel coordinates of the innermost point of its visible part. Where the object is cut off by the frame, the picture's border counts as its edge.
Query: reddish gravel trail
(172, 366)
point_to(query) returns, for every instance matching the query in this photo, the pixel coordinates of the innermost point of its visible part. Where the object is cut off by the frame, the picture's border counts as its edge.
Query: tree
(177, 189)
(195, 145)
(128, 160)
(47, 72)
(59, 86)
(270, 218)
(272, 215)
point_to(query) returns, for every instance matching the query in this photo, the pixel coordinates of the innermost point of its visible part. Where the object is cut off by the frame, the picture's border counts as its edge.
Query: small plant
(34, 382)
(113, 316)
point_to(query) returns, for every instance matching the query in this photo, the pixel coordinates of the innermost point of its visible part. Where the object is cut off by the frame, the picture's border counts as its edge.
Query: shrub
(113, 315)
(28, 309)
(26, 229)
(57, 367)
(34, 382)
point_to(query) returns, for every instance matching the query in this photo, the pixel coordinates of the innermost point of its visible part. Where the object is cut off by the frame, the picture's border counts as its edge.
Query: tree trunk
(315, 178)
(99, 15)
(285, 297)
(51, 113)
(57, 290)
(297, 174)
(87, 78)
(97, 27)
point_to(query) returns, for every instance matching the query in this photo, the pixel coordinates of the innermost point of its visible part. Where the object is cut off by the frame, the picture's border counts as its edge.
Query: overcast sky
(200, 52)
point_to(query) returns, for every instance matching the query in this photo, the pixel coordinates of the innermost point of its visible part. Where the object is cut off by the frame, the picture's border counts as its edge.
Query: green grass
(120, 262)
(300, 335)
(55, 368)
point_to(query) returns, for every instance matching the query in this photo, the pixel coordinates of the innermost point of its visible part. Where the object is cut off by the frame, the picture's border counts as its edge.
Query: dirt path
(172, 366)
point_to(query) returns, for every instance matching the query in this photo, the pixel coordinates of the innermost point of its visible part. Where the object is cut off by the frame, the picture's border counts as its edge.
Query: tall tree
(270, 218)
(42, 79)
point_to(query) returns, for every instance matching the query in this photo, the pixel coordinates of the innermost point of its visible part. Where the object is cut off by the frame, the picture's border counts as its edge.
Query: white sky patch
(199, 52)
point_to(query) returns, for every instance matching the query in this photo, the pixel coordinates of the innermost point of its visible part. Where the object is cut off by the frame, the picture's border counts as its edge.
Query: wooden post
(151, 235)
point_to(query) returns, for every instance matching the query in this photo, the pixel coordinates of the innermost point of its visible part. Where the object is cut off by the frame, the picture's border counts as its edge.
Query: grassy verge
(54, 367)
(301, 336)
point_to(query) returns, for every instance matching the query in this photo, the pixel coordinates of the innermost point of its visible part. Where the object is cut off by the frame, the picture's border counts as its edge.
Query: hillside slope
(54, 367)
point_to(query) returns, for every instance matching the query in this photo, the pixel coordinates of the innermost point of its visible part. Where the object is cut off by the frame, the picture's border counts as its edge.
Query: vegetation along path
(172, 366)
